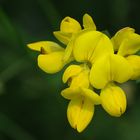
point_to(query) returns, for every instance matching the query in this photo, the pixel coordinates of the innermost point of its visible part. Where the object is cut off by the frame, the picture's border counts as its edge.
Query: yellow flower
(96, 50)
(69, 28)
(126, 43)
(121, 36)
(50, 57)
(82, 99)
(90, 45)
(105, 62)
(113, 100)
(69, 25)
(106, 70)
(110, 68)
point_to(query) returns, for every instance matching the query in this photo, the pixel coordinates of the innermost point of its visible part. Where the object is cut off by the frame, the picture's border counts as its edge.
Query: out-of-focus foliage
(31, 107)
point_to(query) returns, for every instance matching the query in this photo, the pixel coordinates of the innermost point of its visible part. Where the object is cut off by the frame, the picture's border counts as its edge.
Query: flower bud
(70, 25)
(113, 100)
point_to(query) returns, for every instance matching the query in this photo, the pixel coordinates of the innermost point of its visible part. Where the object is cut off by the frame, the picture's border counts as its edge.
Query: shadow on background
(31, 107)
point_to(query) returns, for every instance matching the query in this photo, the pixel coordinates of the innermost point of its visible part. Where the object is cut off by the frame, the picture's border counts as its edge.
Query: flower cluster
(102, 63)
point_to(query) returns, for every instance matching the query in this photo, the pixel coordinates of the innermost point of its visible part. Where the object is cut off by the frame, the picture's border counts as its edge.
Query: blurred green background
(31, 107)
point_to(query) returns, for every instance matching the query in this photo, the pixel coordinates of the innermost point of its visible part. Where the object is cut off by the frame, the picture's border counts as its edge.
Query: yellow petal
(134, 61)
(88, 22)
(78, 77)
(69, 25)
(113, 100)
(73, 111)
(62, 36)
(91, 45)
(80, 112)
(119, 37)
(91, 95)
(71, 71)
(51, 63)
(110, 68)
(86, 114)
(130, 45)
(71, 93)
(45, 46)
(68, 51)
(81, 80)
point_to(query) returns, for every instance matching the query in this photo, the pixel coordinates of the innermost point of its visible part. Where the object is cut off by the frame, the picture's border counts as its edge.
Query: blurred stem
(14, 69)
(9, 29)
(50, 11)
(13, 130)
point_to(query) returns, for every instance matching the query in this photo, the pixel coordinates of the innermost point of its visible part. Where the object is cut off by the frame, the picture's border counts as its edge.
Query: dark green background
(31, 107)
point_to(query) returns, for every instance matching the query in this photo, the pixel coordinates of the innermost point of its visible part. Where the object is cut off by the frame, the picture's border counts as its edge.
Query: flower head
(106, 67)
(104, 62)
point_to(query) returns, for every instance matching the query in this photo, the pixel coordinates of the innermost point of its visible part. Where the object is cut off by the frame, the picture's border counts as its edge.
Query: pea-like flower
(106, 67)
(104, 74)
(69, 28)
(113, 100)
(127, 44)
(82, 99)
(50, 57)
(101, 63)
